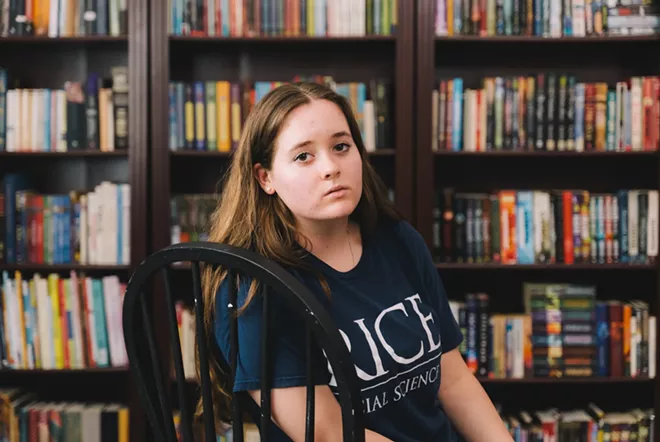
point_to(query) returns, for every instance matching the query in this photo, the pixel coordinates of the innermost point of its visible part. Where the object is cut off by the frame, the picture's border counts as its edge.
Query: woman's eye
(342, 146)
(302, 156)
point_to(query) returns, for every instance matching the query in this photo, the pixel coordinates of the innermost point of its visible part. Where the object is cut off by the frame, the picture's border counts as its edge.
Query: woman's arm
(466, 403)
(289, 409)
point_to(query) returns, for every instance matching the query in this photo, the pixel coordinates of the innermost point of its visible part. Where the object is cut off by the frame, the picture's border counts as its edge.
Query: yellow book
(123, 424)
(223, 102)
(190, 119)
(236, 120)
(310, 18)
(54, 294)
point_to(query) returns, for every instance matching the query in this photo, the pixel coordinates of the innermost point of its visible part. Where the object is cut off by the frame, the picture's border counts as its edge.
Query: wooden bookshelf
(591, 59)
(42, 62)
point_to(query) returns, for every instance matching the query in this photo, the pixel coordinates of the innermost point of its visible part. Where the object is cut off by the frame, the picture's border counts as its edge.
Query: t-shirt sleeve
(450, 332)
(287, 334)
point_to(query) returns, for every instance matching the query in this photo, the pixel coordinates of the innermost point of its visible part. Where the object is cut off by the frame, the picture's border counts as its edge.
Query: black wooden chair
(144, 358)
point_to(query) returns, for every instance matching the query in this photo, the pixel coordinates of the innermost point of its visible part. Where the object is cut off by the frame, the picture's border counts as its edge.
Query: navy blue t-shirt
(393, 313)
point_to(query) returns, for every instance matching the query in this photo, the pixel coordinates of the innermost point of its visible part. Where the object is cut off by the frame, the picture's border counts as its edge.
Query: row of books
(92, 116)
(189, 217)
(589, 423)
(209, 115)
(546, 227)
(63, 18)
(547, 111)
(241, 18)
(81, 227)
(564, 331)
(545, 18)
(25, 415)
(55, 322)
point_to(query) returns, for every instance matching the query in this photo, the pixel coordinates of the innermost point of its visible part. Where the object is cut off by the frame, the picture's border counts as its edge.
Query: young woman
(301, 191)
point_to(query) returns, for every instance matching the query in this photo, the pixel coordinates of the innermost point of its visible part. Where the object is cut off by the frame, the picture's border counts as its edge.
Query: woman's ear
(262, 175)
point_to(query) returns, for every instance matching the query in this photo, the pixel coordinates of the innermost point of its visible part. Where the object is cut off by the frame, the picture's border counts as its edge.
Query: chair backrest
(143, 352)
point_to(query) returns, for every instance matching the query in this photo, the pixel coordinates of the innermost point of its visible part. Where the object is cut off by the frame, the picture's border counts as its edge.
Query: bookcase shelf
(87, 39)
(65, 372)
(596, 39)
(67, 154)
(558, 267)
(46, 268)
(560, 381)
(273, 40)
(545, 154)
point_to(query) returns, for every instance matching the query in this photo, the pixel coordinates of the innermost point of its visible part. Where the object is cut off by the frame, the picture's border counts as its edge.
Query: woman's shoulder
(402, 231)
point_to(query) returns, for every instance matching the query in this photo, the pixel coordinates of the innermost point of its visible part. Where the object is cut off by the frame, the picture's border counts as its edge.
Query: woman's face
(316, 169)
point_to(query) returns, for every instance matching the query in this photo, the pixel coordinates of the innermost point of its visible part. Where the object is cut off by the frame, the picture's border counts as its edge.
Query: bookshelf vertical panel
(159, 57)
(404, 75)
(424, 68)
(138, 124)
(160, 179)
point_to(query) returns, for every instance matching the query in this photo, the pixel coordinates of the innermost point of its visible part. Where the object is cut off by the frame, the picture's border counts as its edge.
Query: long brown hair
(247, 217)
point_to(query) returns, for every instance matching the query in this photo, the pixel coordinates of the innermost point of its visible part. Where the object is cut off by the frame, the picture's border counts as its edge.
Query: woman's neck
(338, 243)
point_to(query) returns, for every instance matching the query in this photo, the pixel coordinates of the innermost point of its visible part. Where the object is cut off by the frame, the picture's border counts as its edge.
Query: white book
(24, 121)
(54, 19)
(126, 223)
(114, 17)
(652, 346)
(636, 112)
(369, 126)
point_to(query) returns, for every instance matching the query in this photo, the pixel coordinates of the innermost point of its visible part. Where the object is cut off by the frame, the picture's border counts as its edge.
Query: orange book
(508, 226)
(627, 314)
(41, 12)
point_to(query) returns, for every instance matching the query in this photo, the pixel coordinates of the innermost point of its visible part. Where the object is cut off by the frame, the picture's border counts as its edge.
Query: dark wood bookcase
(45, 62)
(591, 59)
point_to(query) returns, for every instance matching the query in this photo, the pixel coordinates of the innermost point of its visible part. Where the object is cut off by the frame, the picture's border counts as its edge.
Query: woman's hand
(466, 403)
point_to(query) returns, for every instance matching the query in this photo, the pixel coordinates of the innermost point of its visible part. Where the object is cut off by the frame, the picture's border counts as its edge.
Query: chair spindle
(311, 392)
(266, 365)
(175, 341)
(163, 397)
(237, 418)
(207, 398)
